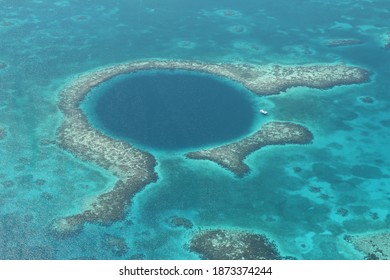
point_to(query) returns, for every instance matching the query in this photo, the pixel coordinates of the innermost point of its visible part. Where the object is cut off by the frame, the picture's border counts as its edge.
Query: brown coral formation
(8, 183)
(231, 156)
(67, 227)
(135, 168)
(374, 246)
(115, 244)
(2, 134)
(367, 99)
(233, 245)
(229, 13)
(342, 212)
(343, 42)
(180, 222)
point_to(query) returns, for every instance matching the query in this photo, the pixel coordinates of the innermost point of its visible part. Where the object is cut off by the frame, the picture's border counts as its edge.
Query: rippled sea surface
(304, 198)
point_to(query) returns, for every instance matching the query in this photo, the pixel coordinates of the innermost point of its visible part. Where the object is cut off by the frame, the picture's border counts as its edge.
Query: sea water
(46, 43)
(171, 110)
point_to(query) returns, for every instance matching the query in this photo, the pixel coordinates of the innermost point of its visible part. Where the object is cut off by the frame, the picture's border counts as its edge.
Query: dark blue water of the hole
(172, 110)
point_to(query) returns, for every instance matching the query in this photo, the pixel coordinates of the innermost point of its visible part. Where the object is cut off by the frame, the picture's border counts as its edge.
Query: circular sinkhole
(171, 109)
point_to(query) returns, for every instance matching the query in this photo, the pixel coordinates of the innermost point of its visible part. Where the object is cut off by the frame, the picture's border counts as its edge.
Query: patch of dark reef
(180, 222)
(3, 134)
(221, 244)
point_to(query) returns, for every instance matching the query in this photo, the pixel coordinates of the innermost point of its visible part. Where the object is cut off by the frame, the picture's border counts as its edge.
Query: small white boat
(264, 112)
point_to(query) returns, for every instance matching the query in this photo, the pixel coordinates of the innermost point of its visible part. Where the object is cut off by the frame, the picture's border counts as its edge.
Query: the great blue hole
(171, 110)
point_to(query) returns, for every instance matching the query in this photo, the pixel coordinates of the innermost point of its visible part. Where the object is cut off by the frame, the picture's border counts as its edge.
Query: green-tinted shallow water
(342, 187)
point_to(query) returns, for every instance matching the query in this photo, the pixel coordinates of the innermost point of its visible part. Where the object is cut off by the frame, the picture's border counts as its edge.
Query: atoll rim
(135, 168)
(290, 154)
(231, 156)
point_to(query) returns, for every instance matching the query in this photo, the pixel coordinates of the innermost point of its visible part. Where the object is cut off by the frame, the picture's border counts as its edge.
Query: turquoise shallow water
(45, 43)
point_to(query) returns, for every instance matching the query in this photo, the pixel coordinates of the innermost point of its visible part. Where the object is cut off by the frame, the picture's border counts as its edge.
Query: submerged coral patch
(66, 227)
(80, 18)
(3, 65)
(343, 42)
(8, 183)
(229, 13)
(367, 99)
(366, 171)
(375, 246)
(385, 123)
(326, 173)
(115, 244)
(386, 40)
(3, 134)
(6, 23)
(221, 244)
(176, 221)
(185, 44)
(238, 29)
